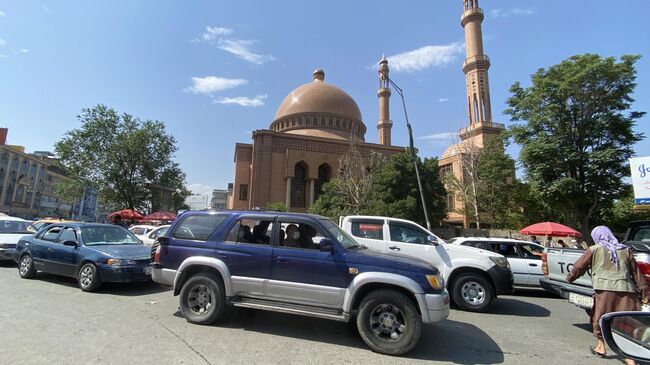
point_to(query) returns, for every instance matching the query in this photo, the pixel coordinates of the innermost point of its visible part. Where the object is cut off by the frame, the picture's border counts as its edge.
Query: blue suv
(300, 264)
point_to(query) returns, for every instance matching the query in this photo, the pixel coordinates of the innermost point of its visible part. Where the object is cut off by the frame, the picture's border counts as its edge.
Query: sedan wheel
(88, 278)
(26, 267)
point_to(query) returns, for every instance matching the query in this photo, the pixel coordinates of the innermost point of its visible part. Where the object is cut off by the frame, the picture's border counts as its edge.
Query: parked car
(525, 257)
(557, 263)
(474, 277)
(11, 230)
(141, 230)
(299, 264)
(90, 252)
(150, 237)
(41, 223)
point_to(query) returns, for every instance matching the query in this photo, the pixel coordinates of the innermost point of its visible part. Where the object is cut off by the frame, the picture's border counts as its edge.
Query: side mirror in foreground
(627, 334)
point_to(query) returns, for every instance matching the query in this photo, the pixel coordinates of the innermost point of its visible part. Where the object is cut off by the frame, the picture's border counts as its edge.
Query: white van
(474, 277)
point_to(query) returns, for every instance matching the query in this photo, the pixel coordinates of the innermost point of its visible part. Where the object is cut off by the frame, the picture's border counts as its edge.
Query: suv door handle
(394, 248)
(532, 265)
(222, 256)
(282, 260)
(50, 249)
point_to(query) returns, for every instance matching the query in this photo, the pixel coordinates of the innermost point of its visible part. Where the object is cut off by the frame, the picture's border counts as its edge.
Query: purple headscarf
(603, 236)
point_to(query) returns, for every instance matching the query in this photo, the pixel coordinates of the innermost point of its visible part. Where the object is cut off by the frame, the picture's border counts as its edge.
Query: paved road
(49, 320)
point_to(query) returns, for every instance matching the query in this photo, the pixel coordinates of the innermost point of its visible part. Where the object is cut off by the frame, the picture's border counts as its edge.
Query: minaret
(476, 75)
(384, 124)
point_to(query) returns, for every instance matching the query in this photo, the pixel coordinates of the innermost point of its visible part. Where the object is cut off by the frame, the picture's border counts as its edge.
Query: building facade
(315, 125)
(219, 199)
(28, 183)
(480, 126)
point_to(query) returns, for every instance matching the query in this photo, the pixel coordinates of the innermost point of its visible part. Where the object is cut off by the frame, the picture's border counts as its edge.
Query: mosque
(316, 123)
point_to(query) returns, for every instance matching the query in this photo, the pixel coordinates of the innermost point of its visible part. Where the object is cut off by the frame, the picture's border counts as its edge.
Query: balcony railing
(478, 58)
(485, 124)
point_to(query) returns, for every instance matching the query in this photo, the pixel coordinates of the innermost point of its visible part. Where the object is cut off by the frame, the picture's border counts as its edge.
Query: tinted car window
(373, 229)
(51, 234)
(108, 235)
(198, 227)
(402, 232)
(505, 249)
(253, 231)
(159, 232)
(299, 235)
(529, 251)
(68, 234)
(641, 234)
(7, 226)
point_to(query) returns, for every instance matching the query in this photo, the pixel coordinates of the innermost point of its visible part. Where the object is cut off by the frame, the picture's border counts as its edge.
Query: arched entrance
(299, 185)
(324, 175)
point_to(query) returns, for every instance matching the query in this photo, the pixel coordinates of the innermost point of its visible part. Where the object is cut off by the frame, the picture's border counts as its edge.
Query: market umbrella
(160, 216)
(126, 214)
(550, 229)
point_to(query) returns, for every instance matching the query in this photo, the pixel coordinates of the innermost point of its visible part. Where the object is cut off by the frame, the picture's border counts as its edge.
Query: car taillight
(156, 256)
(645, 269)
(545, 264)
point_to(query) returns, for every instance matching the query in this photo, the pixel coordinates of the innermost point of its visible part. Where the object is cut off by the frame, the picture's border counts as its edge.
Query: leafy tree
(578, 133)
(331, 203)
(467, 186)
(395, 191)
(118, 155)
(621, 212)
(277, 207)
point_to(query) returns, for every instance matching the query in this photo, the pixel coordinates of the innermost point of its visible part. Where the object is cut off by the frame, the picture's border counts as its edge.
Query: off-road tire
(464, 286)
(203, 299)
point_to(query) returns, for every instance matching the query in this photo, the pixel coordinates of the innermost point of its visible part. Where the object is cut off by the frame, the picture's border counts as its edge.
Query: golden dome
(319, 109)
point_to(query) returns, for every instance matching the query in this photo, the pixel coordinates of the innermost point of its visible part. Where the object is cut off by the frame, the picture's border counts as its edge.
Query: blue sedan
(91, 253)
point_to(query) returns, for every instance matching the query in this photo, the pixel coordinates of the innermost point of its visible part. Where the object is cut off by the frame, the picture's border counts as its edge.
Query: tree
(578, 133)
(119, 155)
(621, 212)
(277, 207)
(395, 191)
(467, 186)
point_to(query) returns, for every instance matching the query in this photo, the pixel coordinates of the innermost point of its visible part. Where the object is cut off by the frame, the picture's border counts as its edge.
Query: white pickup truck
(474, 277)
(557, 263)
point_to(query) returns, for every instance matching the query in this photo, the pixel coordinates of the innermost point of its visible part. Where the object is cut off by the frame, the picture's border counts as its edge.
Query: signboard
(640, 167)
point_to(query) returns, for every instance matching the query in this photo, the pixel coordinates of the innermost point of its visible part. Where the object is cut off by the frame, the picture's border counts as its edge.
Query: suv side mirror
(70, 243)
(432, 240)
(627, 334)
(163, 240)
(326, 245)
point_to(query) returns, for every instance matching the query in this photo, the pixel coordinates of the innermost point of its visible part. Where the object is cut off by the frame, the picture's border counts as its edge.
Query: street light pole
(413, 154)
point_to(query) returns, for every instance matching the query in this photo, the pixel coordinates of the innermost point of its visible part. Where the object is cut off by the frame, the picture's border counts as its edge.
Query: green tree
(277, 207)
(578, 133)
(118, 155)
(395, 191)
(621, 212)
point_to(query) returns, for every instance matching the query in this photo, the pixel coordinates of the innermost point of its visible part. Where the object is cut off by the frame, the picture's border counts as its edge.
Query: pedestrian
(534, 239)
(549, 242)
(615, 277)
(117, 220)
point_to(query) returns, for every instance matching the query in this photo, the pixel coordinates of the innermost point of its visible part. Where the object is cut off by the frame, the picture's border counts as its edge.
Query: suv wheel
(202, 299)
(88, 278)
(388, 322)
(26, 267)
(472, 293)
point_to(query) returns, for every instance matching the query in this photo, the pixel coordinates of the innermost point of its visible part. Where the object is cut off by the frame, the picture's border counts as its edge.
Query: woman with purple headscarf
(615, 277)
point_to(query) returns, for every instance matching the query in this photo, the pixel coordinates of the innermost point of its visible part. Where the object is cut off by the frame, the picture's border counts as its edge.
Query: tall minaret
(476, 73)
(384, 124)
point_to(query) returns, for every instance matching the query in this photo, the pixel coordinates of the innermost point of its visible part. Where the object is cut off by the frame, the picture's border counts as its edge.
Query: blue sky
(214, 71)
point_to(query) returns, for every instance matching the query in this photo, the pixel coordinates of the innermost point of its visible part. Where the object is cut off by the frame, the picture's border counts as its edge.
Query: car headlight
(436, 281)
(500, 261)
(120, 262)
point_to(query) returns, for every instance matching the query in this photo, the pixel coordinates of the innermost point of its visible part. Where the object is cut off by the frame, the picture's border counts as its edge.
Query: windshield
(14, 227)
(345, 240)
(108, 235)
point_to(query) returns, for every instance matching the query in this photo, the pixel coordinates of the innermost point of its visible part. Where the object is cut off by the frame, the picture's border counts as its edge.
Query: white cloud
(213, 33)
(211, 84)
(443, 100)
(425, 57)
(46, 9)
(242, 101)
(2, 13)
(24, 50)
(448, 136)
(501, 13)
(2, 56)
(2, 42)
(199, 188)
(242, 49)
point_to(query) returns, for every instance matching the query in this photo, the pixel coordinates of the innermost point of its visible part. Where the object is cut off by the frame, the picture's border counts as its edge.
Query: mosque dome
(319, 109)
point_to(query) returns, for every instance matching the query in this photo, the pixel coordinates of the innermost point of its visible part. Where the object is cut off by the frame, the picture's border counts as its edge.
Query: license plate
(581, 300)
(147, 270)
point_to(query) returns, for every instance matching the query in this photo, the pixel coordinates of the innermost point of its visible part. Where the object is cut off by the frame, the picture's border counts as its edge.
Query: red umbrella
(126, 214)
(550, 229)
(160, 216)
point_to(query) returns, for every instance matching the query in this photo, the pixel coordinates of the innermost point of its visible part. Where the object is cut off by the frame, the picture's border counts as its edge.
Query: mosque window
(299, 185)
(243, 191)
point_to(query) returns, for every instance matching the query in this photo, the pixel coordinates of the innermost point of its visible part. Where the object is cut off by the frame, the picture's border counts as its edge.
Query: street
(49, 320)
